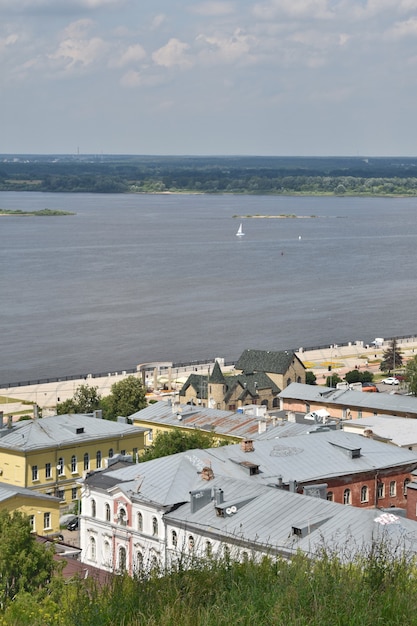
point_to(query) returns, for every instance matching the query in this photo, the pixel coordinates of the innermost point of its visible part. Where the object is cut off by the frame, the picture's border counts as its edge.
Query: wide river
(136, 278)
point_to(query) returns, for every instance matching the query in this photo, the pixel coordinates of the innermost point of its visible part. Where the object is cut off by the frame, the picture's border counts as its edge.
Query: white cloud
(229, 49)
(157, 21)
(294, 9)
(76, 49)
(213, 9)
(174, 53)
(400, 30)
(133, 54)
(5, 42)
(133, 78)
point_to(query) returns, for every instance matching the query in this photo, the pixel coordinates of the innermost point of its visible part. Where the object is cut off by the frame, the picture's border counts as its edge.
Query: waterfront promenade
(19, 400)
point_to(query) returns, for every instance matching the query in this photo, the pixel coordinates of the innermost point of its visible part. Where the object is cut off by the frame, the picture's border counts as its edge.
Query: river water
(136, 278)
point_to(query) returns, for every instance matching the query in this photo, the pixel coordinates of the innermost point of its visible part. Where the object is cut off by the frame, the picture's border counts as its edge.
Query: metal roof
(402, 431)
(202, 418)
(304, 458)
(49, 432)
(345, 397)
(10, 491)
(270, 517)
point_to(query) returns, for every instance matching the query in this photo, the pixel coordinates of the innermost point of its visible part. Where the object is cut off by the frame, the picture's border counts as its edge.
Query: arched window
(154, 527)
(140, 522)
(330, 496)
(98, 459)
(174, 539)
(106, 554)
(299, 379)
(60, 466)
(346, 496)
(289, 381)
(86, 461)
(191, 543)
(138, 566)
(93, 552)
(74, 464)
(110, 453)
(364, 493)
(122, 559)
(393, 489)
(93, 508)
(122, 516)
(107, 512)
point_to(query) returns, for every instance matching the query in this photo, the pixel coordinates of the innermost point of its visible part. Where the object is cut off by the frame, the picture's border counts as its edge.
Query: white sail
(240, 232)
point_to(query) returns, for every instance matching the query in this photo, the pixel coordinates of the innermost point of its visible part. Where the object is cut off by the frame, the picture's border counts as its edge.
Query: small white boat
(240, 232)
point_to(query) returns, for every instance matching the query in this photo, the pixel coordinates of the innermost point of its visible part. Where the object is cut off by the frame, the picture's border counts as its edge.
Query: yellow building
(163, 416)
(42, 510)
(50, 455)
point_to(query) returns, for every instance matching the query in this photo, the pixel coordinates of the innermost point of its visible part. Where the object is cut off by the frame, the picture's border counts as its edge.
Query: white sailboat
(240, 232)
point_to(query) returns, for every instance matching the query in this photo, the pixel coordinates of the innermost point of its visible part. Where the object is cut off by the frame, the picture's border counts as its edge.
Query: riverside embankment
(19, 399)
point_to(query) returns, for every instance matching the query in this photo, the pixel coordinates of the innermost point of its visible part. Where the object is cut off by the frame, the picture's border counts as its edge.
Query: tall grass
(373, 589)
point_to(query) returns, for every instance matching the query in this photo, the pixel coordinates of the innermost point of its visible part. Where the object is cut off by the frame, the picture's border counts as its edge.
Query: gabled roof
(283, 523)
(305, 458)
(265, 361)
(402, 431)
(11, 491)
(211, 420)
(345, 397)
(250, 384)
(50, 432)
(199, 383)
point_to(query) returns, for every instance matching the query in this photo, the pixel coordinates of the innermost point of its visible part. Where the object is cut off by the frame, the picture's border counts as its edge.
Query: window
(122, 516)
(135, 454)
(46, 521)
(74, 493)
(86, 461)
(191, 543)
(364, 493)
(209, 549)
(381, 490)
(307, 407)
(60, 494)
(98, 459)
(122, 559)
(174, 539)
(93, 508)
(35, 473)
(393, 489)
(346, 496)
(60, 466)
(106, 554)
(74, 464)
(154, 526)
(123, 452)
(140, 522)
(138, 562)
(32, 523)
(407, 480)
(150, 435)
(110, 453)
(48, 471)
(107, 512)
(289, 381)
(330, 496)
(93, 551)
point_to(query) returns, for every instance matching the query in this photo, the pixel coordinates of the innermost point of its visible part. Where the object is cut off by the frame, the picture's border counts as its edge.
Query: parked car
(391, 380)
(369, 387)
(73, 524)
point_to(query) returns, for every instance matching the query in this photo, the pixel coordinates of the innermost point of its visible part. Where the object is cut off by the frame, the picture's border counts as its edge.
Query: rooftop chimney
(247, 445)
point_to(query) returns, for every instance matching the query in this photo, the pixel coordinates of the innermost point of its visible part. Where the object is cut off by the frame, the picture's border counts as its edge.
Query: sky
(202, 77)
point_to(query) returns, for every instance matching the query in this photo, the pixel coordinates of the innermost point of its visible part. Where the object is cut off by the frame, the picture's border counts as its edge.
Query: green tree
(391, 358)
(311, 378)
(331, 381)
(86, 399)
(356, 376)
(166, 443)
(127, 397)
(411, 375)
(25, 564)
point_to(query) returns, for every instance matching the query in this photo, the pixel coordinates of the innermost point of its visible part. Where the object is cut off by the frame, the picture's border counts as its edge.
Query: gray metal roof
(11, 491)
(60, 430)
(271, 515)
(400, 430)
(372, 401)
(305, 458)
(202, 418)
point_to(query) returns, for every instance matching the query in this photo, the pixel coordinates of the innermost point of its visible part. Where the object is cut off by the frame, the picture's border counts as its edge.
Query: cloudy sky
(266, 77)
